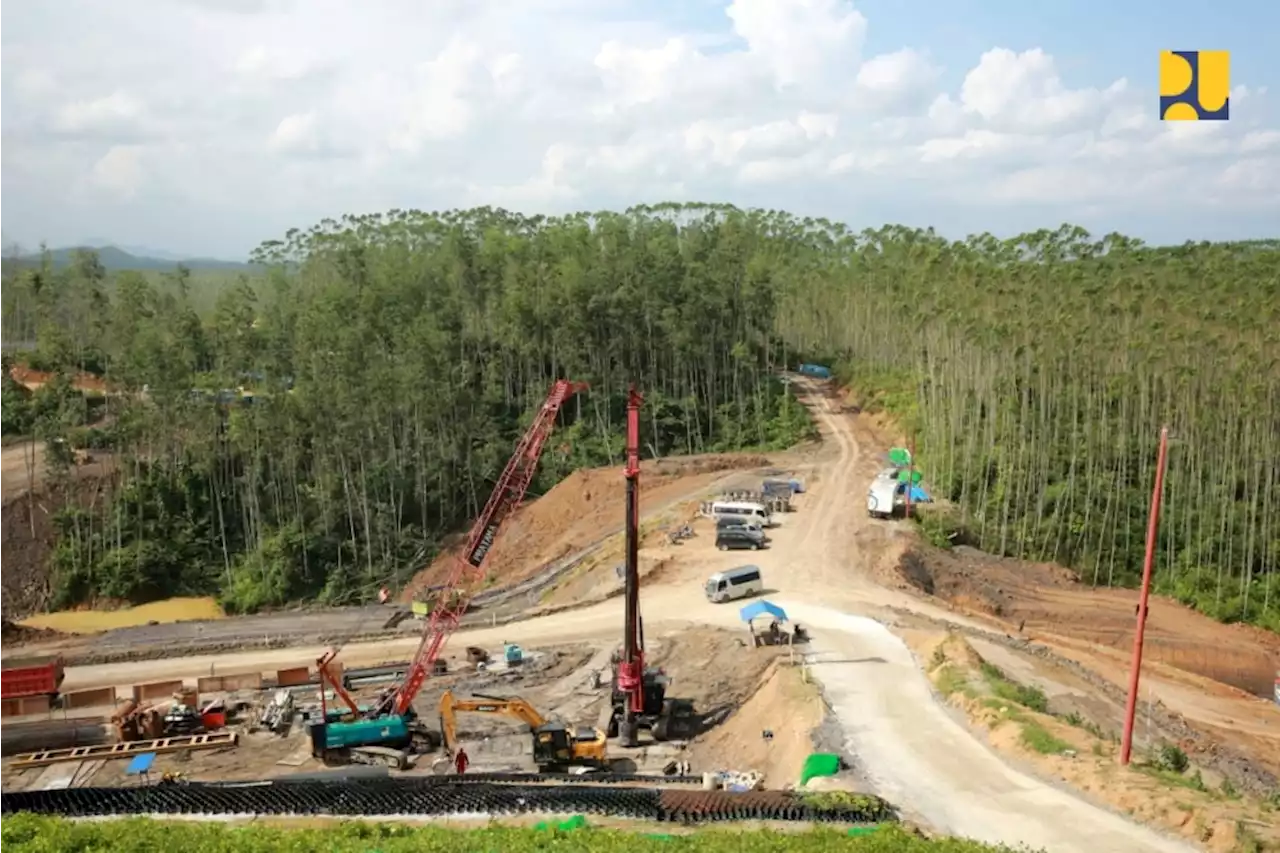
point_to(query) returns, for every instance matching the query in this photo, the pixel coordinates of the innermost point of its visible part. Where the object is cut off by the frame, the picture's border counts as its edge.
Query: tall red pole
(1153, 525)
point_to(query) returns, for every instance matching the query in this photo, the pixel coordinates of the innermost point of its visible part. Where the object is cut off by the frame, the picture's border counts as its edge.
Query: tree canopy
(387, 364)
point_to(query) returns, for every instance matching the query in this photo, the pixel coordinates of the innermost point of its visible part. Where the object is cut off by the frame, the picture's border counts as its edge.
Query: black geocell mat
(372, 798)
(553, 778)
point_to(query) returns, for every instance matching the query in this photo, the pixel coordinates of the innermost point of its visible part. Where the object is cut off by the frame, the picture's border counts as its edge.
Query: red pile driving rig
(639, 699)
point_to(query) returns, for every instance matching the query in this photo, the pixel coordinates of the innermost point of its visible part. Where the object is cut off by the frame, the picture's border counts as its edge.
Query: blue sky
(237, 119)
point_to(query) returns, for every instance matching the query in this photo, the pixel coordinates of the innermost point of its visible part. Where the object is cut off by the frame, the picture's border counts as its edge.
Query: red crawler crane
(396, 705)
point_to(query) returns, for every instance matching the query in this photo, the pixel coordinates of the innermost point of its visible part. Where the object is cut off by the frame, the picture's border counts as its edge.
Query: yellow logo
(1195, 85)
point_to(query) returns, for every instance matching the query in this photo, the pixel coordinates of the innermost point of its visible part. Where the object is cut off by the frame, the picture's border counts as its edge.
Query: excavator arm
(450, 706)
(334, 682)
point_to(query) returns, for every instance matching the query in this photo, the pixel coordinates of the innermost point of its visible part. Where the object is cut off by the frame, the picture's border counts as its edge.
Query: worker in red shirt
(461, 761)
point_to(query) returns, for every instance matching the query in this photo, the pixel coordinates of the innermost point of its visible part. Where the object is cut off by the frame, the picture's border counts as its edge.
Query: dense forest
(319, 430)
(391, 366)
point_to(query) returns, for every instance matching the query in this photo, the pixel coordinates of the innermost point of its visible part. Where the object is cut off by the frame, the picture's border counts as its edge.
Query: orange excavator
(556, 746)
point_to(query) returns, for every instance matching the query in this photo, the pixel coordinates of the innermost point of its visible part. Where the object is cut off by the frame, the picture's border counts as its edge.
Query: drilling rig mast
(639, 692)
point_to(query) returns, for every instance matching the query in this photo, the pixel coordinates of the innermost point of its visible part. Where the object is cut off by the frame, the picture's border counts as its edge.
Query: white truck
(887, 497)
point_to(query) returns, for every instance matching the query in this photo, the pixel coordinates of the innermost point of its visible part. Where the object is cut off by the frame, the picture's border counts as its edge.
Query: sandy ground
(96, 621)
(580, 510)
(1044, 602)
(1195, 804)
(568, 683)
(785, 707)
(827, 566)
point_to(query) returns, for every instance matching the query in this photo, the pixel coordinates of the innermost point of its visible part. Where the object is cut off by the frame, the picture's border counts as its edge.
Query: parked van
(739, 522)
(742, 509)
(734, 583)
(740, 539)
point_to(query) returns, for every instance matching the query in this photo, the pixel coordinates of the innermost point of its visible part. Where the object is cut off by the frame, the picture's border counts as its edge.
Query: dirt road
(21, 468)
(904, 741)
(911, 749)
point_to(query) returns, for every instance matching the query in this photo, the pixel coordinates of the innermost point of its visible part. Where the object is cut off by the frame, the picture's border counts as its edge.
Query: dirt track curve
(908, 745)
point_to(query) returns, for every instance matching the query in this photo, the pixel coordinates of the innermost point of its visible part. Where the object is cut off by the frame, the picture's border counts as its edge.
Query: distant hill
(113, 258)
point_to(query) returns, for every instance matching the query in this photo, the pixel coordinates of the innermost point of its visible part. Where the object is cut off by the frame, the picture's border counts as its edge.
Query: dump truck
(31, 677)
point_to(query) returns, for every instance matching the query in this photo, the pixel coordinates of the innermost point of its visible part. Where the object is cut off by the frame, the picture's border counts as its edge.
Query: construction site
(734, 632)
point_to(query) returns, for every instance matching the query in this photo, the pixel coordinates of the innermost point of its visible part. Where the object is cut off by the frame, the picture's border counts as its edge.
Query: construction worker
(460, 761)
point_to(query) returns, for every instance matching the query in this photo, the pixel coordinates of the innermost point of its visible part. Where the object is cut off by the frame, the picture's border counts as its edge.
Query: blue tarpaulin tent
(141, 764)
(762, 608)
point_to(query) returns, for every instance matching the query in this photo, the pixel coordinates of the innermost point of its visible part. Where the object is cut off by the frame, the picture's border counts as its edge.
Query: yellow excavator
(556, 747)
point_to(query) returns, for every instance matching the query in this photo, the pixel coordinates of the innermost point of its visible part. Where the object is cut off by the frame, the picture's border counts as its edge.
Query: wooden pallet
(111, 751)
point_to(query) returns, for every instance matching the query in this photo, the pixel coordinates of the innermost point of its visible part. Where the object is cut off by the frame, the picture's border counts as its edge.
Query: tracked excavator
(387, 731)
(639, 696)
(556, 746)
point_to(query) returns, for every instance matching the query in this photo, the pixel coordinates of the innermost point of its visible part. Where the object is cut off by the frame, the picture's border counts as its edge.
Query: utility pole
(1135, 668)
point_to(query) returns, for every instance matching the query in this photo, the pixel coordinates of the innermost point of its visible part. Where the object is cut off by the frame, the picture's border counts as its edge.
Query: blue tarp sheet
(762, 608)
(140, 764)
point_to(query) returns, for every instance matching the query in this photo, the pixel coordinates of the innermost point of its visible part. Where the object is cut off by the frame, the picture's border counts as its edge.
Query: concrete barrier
(25, 705)
(210, 684)
(229, 683)
(103, 696)
(156, 690)
(242, 681)
(293, 677)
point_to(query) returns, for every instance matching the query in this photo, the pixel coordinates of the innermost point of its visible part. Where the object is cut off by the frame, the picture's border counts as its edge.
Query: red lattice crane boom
(452, 599)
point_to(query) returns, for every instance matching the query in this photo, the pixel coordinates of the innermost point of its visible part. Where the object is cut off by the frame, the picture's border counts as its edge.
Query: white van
(734, 583)
(742, 509)
(886, 498)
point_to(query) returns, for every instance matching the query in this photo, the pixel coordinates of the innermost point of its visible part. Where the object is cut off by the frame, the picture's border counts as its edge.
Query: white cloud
(116, 111)
(119, 171)
(253, 116)
(1024, 91)
(295, 134)
(35, 83)
(898, 77)
(799, 40)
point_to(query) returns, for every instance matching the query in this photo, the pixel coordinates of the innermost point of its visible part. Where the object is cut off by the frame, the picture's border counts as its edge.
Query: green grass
(1026, 695)
(24, 833)
(1175, 778)
(950, 680)
(1037, 738)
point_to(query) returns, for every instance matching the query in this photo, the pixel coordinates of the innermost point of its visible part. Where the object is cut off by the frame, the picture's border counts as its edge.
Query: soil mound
(33, 379)
(1034, 598)
(12, 632)
(587, 506)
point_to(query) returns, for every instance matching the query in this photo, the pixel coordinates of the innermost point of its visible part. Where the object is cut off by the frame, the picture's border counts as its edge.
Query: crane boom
(452, 599)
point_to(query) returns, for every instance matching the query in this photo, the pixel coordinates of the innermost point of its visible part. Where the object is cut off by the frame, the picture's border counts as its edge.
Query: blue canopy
(762, 608)
(140, 764)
